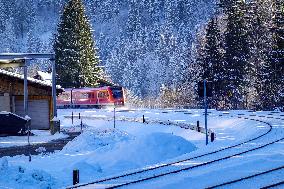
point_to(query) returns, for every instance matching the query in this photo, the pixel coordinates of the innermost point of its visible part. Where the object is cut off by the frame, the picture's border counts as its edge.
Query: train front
(116, 95)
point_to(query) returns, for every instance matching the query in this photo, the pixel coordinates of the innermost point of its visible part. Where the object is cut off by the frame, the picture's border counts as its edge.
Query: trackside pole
(26, 88)
(54, 88)
(81, 126)
(205, 107)
(114, 117)
(26, 98)
(75, 176)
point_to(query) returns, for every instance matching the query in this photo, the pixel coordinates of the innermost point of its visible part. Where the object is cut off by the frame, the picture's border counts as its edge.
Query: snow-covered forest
(161, 48)
(143, 44)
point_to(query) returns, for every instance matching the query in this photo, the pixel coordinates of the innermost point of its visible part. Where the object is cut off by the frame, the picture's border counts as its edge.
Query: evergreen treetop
(75, 55)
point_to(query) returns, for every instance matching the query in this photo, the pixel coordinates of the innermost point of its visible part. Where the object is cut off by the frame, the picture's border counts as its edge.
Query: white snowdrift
(96, 153)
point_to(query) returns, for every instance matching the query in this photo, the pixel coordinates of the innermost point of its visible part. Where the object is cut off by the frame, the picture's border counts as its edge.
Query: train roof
(88, 89)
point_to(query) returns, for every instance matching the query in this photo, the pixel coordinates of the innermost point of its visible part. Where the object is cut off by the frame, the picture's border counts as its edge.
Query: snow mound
(151, 149)
(19, 177)
(96, 140)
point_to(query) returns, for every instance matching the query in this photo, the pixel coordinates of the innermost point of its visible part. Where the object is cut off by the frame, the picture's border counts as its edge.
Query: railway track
(251, 177)
(187, 164)
(275, 185)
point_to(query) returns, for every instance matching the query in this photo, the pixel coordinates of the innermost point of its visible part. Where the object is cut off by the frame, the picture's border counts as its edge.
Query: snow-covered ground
(102, 150)
(38, 137)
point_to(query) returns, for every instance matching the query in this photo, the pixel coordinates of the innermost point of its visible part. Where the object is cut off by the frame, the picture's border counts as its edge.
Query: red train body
(91, 97)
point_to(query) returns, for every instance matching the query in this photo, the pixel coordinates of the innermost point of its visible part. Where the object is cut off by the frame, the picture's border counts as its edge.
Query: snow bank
(99, 139)
(111, 151)
(149, 149)
(20, 177)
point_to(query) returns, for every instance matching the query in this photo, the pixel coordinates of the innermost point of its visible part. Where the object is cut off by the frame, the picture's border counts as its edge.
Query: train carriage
(91, 97)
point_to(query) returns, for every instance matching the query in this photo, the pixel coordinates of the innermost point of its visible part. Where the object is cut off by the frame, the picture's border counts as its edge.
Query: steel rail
(192, 167)
(249, 177)
(273, 185)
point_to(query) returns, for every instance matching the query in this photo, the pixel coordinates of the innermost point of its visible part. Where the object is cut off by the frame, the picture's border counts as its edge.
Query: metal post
(54, 88)
(26, 88)
(205, 107)
(72, 118)
(26, 98)
(212, 137)
(114, 117)
(81, 126)
(71, 98)
(198, 128)
(75, 176)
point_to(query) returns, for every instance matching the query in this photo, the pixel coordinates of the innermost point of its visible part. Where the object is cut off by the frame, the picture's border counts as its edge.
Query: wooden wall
(15, 87)
(5, 103)
(49, 98)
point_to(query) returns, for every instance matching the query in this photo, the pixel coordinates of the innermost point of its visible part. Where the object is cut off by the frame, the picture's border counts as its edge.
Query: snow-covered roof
(31, 80)
(6, 113)
(45, 75)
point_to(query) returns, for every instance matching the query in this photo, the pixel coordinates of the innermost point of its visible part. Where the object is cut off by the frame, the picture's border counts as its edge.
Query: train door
(103, 97)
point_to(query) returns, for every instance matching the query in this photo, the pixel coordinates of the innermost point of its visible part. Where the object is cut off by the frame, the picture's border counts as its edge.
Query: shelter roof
(30, 80)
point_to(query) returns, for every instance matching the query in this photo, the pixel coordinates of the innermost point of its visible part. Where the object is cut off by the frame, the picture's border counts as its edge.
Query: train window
(64, 96)
(117, 93)
(103, 94)
(84, 96)
(91, 95)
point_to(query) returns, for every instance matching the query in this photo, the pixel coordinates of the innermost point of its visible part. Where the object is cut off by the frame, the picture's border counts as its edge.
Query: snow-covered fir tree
(236, 55)
(75, 54)
(211, 62)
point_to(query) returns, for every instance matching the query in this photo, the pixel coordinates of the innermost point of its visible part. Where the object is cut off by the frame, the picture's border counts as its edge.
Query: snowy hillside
(138, 40)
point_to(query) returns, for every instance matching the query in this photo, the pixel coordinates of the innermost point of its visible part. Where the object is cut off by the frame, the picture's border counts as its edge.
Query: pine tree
(25, 11)
(75, 55)
(277, 58)
(211, 61)
(236, 55)
(259, 94)
(9, 42)
(270, 72)
(2, 17)
(134, 18)
(275, 66)
(171, 14)
(33, 43)
(154, 11)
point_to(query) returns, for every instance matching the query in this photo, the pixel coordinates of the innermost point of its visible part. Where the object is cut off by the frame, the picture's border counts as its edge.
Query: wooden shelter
(28, 97)
(40, 104)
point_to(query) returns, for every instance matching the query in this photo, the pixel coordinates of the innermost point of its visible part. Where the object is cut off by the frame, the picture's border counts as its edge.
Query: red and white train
(91, 97)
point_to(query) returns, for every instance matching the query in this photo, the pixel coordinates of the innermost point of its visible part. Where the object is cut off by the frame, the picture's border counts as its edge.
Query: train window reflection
(117, 93)
(103, 94)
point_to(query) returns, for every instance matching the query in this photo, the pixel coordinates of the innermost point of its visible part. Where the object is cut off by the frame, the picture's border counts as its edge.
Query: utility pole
(26, 99)
(205, 107)
(54, 87)
(114, 117)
